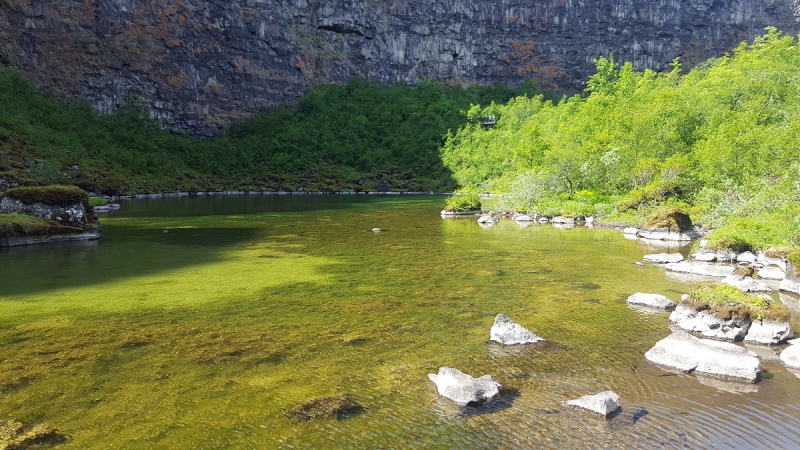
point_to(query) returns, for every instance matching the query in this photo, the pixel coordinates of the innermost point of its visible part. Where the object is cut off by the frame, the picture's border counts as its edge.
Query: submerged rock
(487, 219)
(336, 406)
(709, 325)
(683, 352)
(769, 332)
(663, 258)
(15, 435)
(507, 332)
(701, 268)
(464, 389)
(657, 301)
(604, 403)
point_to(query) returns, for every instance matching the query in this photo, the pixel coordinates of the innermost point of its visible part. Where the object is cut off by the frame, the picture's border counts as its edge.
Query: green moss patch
(669, 217)
(336, 406)
(794, 258)
(728, 302)
(50, 195)
(24, 225)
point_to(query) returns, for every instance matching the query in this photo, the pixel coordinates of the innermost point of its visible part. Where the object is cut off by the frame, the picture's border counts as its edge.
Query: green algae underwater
(198, 322)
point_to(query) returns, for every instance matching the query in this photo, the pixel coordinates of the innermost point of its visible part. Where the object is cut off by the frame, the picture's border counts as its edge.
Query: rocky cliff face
(201, 64)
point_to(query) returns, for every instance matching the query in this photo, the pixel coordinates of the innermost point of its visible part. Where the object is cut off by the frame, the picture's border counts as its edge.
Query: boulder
(589, 219)
(722, 360)
(631, 230)
(604, 403)
(772, 272)
(523, 218)
(709, 325)
(769, 332)
(790, 356)
(771, 259)
(665, 234)
(745, 283)
(507, 332)
(487, 219)
(563, 220)
(701, 268)
(464, 389)
(705, 255)
(336, 406)
(656, 301)
(791, 281)
(746, 257)
(543, 220)
(663, 258)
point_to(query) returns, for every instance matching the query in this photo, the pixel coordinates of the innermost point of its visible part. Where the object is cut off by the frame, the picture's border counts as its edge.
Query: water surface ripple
(197, 322)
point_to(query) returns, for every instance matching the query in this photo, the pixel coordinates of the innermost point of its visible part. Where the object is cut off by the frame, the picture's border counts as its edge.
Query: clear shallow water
(202, 337)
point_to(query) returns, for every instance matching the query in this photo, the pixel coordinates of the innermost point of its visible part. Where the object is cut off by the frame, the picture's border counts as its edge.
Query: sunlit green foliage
(463, 202)
(335, 138)
(720, 141)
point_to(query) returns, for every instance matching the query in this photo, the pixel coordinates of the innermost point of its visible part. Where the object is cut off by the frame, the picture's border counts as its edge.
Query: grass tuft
(728, 302)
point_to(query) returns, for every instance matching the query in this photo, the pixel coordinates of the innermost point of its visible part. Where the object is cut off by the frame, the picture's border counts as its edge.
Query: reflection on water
(204, 336)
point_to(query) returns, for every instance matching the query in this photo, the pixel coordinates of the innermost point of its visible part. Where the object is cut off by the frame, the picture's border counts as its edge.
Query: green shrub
(463, 202)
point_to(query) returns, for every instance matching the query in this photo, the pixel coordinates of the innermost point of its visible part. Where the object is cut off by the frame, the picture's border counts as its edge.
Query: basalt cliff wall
(201, 64)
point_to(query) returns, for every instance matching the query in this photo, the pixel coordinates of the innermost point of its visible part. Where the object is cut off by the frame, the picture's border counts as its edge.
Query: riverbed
(196, 322)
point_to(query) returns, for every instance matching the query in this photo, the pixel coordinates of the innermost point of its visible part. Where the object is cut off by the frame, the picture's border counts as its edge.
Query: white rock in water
(376, 230)
(705, 255)
(701, 268)
(726, 256)
(709, 325)
(631, 230)
(663, 258)
(603, 403)
(722, 360)
(487, 219)
(790, 356)
(769, 332)
(562, 219)
(543, 219)
(772, 273)
(507, 332)
(665, 234)
(589, 219)
(463, 389)
(746, 257)
(770, 261)
(657, 301)
(523, 218)
(746, 284)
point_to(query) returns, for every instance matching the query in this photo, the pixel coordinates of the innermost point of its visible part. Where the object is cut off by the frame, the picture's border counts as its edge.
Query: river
(197, 322)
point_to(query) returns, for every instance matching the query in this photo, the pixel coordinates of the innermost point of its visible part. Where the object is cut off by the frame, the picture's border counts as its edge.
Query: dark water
(204, 335)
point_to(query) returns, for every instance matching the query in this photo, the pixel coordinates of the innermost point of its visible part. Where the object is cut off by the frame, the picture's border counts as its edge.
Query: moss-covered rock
(728, 302)
(336, 406)
(671, 218)
(745, 271)
(63, 196)
(66, 205)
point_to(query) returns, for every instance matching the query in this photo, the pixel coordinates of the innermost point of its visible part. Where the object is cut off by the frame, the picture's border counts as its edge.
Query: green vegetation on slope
(720, 142)
(335, 138)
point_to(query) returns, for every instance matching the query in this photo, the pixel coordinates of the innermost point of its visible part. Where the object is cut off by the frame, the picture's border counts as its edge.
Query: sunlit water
(204, 335)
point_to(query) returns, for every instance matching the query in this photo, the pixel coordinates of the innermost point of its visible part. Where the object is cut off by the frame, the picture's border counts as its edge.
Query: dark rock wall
(201, 64)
